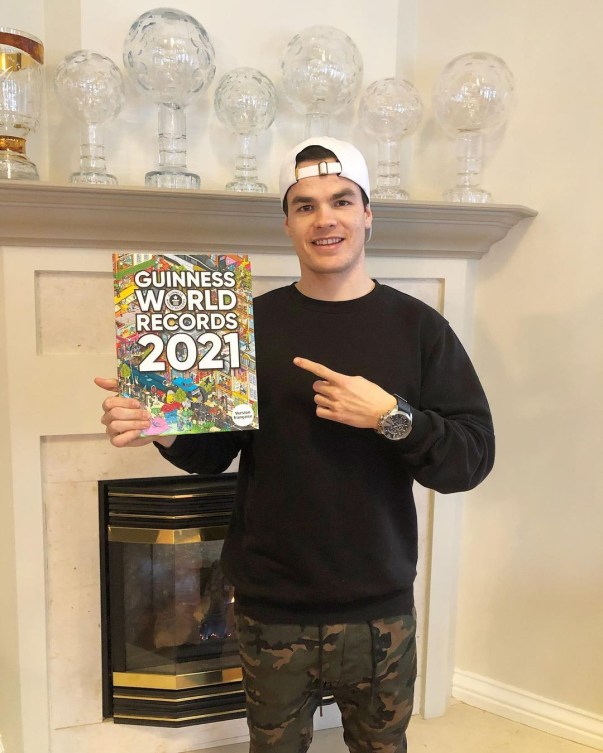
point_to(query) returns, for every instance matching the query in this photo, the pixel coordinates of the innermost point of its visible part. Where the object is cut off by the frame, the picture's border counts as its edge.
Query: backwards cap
(350, 164)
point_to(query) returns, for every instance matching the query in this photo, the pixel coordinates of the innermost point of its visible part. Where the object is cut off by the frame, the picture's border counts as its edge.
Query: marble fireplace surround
(57, 333)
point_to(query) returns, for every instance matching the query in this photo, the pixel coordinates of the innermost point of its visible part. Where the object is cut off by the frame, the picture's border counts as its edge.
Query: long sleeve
(451, 447)
(205, 453)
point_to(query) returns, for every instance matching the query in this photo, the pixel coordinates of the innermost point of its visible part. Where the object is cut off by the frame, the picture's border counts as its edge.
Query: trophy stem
(388, 171)
(469, 149)
(172, 136)
(93, 168)
(172, 172)
(317, 124)
(246, 175)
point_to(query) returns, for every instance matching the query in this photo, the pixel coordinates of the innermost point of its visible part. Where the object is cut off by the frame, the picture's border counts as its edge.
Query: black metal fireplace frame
(170, 503)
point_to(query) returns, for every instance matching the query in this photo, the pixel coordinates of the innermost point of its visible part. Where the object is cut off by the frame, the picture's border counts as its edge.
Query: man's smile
(327, 241)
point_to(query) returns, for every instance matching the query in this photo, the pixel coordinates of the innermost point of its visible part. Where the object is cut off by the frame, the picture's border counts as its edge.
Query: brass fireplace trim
(130, 535)
(158, 495)
(155, 516)
(175, 699)
(176, 682)
(180, 719)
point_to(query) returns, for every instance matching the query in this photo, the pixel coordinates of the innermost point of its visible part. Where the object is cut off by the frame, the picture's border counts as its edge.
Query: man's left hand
(351, 400)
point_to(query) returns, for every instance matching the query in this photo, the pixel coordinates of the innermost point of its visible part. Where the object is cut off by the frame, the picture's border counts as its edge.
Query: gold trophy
(21, 60)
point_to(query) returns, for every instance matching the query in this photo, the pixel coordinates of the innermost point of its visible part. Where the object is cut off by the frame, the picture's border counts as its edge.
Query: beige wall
(531, 592)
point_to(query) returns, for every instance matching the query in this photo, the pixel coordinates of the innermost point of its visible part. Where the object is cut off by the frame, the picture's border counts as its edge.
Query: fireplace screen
(170, 654)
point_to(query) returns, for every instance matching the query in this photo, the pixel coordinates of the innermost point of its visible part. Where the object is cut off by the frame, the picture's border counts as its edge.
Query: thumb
(106, 383)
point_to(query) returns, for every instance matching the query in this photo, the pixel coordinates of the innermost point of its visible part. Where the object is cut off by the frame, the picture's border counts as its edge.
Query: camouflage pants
(369, 668)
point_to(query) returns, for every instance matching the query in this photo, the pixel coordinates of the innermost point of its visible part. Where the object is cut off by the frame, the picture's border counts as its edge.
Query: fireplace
(170, 655)
(56, 244)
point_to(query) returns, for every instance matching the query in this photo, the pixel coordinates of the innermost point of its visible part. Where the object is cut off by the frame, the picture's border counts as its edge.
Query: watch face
(397, 426)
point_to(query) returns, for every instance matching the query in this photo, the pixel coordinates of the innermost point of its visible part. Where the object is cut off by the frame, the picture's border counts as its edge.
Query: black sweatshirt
(324, 528)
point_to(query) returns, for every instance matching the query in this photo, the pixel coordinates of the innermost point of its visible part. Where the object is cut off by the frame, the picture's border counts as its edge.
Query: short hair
(318, 153)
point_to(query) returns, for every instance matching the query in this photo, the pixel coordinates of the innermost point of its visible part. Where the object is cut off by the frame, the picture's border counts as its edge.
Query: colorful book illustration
(185, 340)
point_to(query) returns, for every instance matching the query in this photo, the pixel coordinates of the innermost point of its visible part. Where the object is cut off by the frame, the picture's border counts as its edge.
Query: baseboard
(534, 711)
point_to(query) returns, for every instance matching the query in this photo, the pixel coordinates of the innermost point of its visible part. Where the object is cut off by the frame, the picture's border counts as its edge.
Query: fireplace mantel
(129, 218)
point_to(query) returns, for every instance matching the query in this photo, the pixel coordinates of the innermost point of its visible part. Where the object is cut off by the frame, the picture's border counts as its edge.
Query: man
(362, 390)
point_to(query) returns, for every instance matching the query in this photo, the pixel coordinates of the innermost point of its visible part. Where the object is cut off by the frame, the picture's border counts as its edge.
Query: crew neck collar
(318, 303)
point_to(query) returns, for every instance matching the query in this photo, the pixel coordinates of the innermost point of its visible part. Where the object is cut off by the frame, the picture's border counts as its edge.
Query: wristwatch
(397, 422)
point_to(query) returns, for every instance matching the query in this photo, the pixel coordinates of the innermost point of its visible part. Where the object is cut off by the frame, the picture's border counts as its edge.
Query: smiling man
(327, 220)
(363, 390)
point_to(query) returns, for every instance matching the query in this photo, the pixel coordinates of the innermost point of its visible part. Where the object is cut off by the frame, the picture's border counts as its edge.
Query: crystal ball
(245, 101)
(390, 108)
(322, 70)
(169, 56)
(474, 92)
(90, 86)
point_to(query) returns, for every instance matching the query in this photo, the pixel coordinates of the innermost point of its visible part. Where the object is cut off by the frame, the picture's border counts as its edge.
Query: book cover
(185, 340)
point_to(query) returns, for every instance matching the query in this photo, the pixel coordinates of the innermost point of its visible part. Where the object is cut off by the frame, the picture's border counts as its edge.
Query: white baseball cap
(350, 164)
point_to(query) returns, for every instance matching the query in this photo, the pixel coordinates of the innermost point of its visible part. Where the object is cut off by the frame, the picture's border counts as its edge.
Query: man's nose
(325, 215)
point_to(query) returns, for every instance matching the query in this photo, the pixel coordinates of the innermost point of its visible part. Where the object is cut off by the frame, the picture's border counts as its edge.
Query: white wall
(531, 597)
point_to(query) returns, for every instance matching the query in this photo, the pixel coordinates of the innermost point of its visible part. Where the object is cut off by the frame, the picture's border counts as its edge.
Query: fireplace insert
(170, 655)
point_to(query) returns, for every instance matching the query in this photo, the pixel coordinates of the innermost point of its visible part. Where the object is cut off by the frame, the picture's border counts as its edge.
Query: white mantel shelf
(138, 218)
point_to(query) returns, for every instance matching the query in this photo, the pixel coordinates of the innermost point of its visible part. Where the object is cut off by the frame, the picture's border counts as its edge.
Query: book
(185, 340)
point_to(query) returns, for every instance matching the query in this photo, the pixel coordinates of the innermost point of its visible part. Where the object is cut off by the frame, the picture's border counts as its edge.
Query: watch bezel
(389, 423)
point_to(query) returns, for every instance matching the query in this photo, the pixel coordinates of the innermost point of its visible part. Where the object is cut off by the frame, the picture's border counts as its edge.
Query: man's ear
(368, 216)
(286, 226)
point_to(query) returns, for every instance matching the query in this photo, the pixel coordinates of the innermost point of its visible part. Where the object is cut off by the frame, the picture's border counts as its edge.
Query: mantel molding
(44, 214)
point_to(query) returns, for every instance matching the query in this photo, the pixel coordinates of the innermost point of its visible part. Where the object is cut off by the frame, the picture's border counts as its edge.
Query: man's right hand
(124, 419)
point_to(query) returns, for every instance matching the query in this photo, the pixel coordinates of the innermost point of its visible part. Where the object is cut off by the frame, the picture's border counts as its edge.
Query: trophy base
(395, 194)
(14, 166)
(467, 195)
(250, 186)
(92, 178)
(172, 179)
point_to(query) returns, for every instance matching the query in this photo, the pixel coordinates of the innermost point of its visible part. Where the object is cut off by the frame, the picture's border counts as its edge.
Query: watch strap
(403, 404)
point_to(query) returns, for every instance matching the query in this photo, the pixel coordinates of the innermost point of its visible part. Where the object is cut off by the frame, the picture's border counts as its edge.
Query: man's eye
(304, 208)
(342, 203)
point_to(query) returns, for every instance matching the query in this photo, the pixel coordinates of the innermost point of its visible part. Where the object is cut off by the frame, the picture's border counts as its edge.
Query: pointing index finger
(322, 372)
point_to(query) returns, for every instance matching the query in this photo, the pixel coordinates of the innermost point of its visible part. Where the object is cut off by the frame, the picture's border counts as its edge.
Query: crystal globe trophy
(170, 58)
(389, 110)
(91, 88)
(21, 86)
(473, 96)
(245, 102)
(322, 73)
